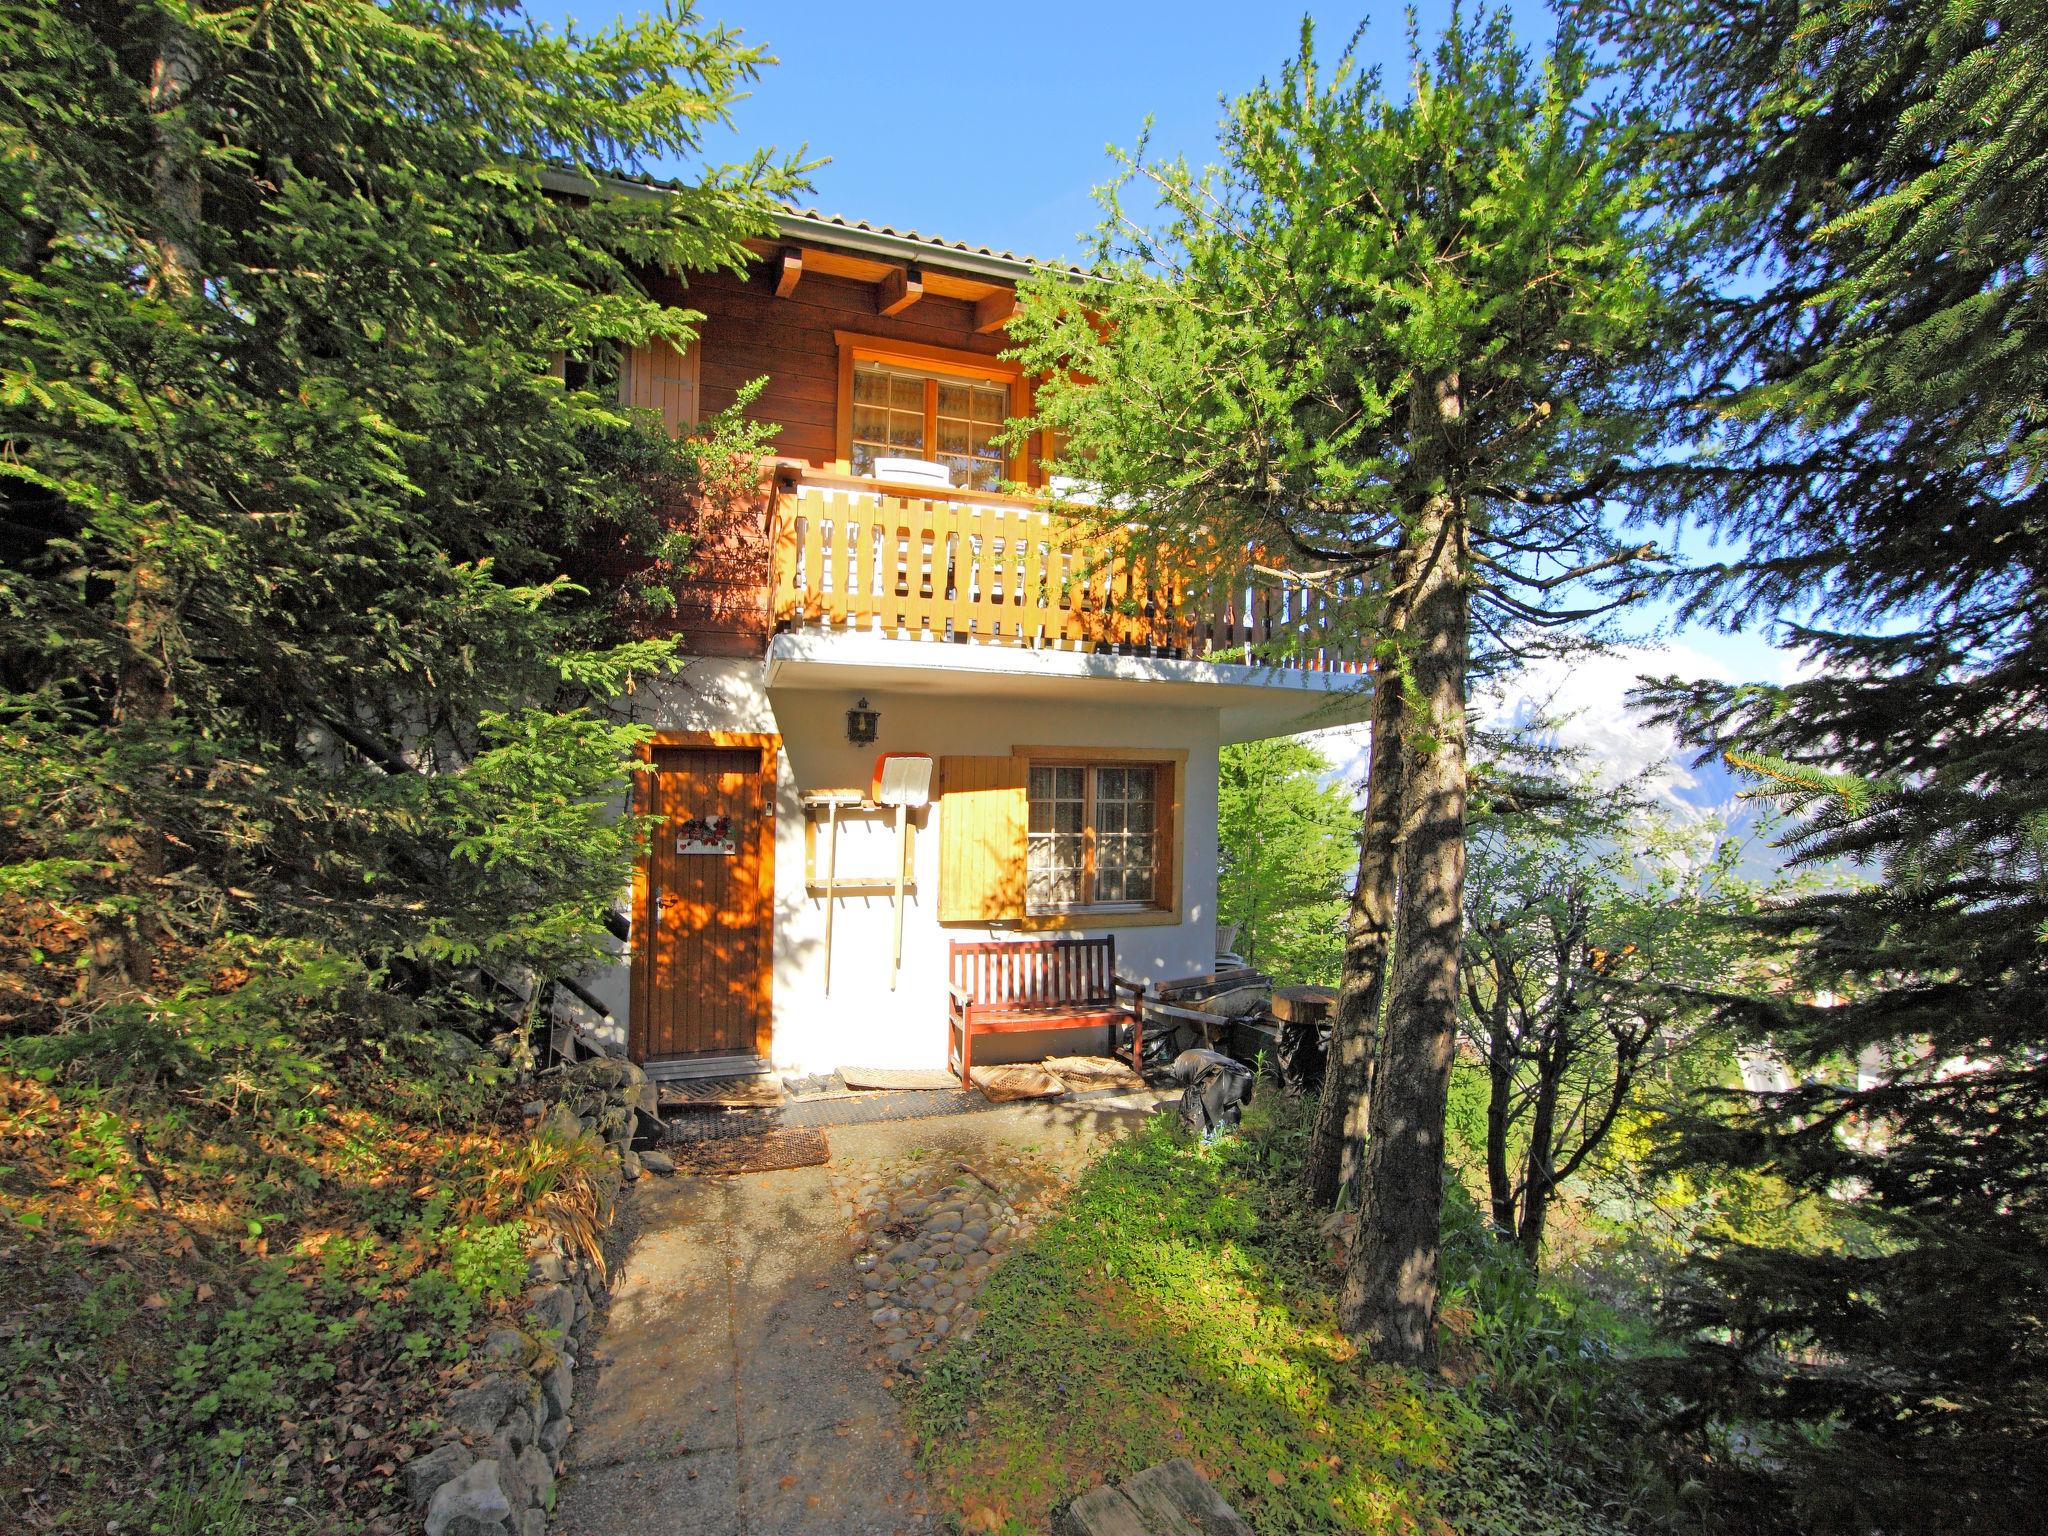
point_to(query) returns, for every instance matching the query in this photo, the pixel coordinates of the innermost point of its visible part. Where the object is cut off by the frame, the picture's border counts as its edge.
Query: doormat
(757, 1092)
(1089, 1074)
(752, 1154)
(1003, 1084)
(898, 1077)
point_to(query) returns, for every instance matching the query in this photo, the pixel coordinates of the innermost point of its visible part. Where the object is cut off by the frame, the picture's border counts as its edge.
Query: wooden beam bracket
(993, 312)
(903, 287)
(789, 271)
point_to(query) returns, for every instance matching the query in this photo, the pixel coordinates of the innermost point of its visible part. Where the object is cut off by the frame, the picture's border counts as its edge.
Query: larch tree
(295, 690)
(1379, 341)
(1864, 202)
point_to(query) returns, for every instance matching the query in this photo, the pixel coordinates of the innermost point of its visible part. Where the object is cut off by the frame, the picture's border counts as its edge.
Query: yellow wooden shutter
(982, 820)
(657, 377)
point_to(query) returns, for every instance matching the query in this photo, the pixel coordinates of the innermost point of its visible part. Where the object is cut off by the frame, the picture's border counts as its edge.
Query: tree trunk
(1336, 1151)
(1390, 1291)
(123, 937)
(1500, 1066)
(1536, 1184)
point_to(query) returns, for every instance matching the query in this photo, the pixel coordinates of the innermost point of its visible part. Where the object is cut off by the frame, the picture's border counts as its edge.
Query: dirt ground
(740, 1387)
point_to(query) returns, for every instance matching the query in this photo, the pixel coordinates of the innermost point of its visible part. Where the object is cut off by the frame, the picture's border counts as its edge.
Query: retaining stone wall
(506, 1426)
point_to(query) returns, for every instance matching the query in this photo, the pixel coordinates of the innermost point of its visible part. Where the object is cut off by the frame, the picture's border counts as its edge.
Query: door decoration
(707, 836)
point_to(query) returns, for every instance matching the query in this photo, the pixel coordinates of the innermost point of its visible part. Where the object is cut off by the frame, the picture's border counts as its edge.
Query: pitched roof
(816, 216)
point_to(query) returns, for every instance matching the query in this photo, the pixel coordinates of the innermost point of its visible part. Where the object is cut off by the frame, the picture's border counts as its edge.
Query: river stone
(560, 1385)
(527, 1480)
(473, 1504)
(549, 1267)
(945, 1221)
(482, 1408)
(423, 1474)
(552, 1309)
(534, 1523)
(975, 1231)
(874, 1280)
(657, 1162)
(507, 1346)
(905, 1253)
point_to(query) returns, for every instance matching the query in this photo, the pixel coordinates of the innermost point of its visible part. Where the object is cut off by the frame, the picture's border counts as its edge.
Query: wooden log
(1105, 1512)
(1307, 1005)
(1176, 1500)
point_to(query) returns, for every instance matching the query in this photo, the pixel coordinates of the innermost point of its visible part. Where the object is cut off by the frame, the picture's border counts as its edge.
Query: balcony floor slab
(1252, 701)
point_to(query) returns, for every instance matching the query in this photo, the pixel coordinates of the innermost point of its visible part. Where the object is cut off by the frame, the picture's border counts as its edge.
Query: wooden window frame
(1170, 767)
(918, 357)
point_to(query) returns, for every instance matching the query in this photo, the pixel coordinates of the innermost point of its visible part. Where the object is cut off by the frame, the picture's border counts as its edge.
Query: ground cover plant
(236, 1311)
(1182, 1303)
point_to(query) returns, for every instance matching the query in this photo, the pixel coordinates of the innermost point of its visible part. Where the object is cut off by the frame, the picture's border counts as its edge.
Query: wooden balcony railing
(856, 557)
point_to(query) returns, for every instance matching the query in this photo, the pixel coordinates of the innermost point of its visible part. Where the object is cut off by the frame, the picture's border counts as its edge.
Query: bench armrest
(960, 996)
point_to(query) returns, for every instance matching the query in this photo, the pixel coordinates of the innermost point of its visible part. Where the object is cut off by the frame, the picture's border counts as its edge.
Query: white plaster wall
(866, 1021)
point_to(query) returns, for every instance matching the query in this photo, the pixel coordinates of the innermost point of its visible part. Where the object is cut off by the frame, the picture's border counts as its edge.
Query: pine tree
(295, 691)
(1377, 342)
(1862, 418)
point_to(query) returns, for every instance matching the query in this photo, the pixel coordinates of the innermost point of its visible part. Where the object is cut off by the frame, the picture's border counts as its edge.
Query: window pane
(955, 399)
(870, 387)
(906, 394)
(906, 431)
(1070, 783)
(990, 405)
(869, 424)
(952, 437)
(863, 459)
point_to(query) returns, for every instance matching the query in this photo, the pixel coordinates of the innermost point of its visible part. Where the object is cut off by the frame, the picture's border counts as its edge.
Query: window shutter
(982, 822)
(657, 377)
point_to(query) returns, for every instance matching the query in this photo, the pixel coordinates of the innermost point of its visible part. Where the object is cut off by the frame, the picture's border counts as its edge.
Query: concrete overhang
(1252, 702)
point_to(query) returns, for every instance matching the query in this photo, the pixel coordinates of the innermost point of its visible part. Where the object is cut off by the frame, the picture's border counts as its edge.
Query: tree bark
(1336, 1151)
(123, 936)
(1500, 1068)
(1536, 1183)
(1390, 1292)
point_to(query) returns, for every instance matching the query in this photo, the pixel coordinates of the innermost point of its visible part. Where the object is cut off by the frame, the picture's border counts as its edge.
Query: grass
(1182, 1304)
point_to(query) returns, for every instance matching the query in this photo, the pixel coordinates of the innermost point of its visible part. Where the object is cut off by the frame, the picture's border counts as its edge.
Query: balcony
(856, 557)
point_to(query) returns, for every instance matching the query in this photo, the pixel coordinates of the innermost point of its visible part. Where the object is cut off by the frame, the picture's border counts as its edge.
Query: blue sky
(990, 123)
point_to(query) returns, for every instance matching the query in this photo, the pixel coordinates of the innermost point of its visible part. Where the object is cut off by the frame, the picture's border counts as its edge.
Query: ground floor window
(1093, 838)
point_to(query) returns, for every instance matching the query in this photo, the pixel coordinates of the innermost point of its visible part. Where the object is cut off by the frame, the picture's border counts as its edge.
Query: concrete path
(731, 1397)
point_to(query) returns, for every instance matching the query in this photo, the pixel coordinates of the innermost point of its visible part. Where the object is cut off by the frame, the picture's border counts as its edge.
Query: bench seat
(1010, 986)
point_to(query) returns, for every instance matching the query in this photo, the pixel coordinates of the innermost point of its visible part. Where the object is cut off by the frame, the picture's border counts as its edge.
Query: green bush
(490, 1261)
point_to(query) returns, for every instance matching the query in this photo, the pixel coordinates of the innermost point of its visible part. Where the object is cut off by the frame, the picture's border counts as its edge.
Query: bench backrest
(1028, 973)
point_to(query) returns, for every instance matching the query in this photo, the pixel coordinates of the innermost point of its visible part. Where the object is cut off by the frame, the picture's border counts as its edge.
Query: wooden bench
(1008, 986)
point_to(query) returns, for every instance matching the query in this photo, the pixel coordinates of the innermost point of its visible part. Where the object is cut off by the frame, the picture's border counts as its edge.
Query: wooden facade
(828, 549)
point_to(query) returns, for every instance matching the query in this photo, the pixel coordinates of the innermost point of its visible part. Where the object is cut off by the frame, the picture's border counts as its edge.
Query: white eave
(1252, 701)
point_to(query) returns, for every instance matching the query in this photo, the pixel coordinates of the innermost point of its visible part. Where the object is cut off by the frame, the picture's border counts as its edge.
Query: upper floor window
(901, 412)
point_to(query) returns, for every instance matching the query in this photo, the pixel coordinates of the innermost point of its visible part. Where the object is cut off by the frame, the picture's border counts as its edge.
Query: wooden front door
(706, 904)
